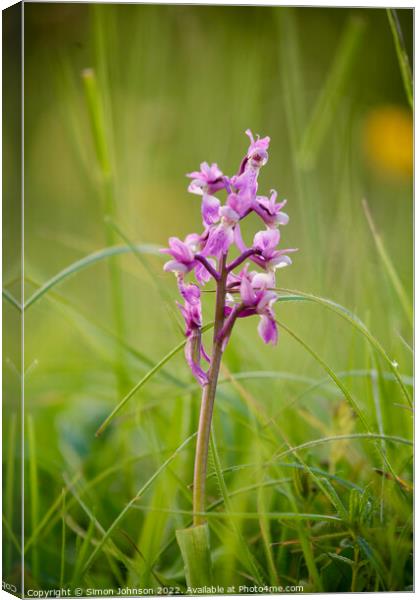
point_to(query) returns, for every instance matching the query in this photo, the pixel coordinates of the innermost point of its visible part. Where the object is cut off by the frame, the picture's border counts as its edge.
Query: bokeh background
(166, 88)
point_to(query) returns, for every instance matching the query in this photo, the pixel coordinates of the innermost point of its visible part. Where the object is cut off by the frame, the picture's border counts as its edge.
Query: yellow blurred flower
(388, 140)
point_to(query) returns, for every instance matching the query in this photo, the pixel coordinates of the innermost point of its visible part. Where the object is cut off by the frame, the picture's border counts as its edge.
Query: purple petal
(219, 240)
(210, 209)
(266, 240)
(192, 317)
(238, 239)
(209, 179)
(192, 239)
(269, 211)
(201, 273)
(281, 218)
(246, 183)
(229, 216)
(204, 354)
(278, 262)
(189, 291)
(240, 203)
(247, 293)
(267, 299)
(175, 267)
(179, 250)
(267, 329)
(192, 355)
(263, 281)
(257, 151)
(212, 173)
(259, 144)
(197, 186)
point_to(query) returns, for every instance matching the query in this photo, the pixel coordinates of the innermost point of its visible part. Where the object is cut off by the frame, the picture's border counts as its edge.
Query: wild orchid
(240, 292)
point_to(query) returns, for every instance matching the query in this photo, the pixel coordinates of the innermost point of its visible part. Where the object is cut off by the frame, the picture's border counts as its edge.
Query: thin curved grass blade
(286, 516)
(11, 299)
(83, 263)
(318, 442)
(373, 558)
(331, 373)
(101, 337)
(389, 267)
(139, 255)
(350, 436)
(286, 465)
(326, 105)
(248, 557)
(358, 324)
(141, 491)
(144, 380)
(402, 55)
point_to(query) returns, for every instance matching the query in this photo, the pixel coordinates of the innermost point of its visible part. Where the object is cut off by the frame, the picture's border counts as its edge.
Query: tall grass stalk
(8, 510)
(402, 55)
(33, 492)
(326, 105)
(388, 265)
(63, 538)
(96, 112)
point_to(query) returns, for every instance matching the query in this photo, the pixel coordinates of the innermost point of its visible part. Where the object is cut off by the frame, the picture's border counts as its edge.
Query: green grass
(310, 469)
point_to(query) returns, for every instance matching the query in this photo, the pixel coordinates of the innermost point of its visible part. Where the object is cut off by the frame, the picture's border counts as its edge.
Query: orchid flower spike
(202, 257)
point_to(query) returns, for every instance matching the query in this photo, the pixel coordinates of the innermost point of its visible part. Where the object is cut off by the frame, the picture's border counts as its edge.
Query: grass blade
(11, 533)
(142, 381)
(141, 491)
(194, 543)
(139, 255)
(33, 492)
(101, 337)
(275, 516)
(401, 51)
(291, 72)
(9, 486)
(112, 552)
(63, 537)
(250, 560)
(82, 554)
(318, 442)
(102, 132)
(139, 385)
(326, 105)
(350, 436)
(47, 518)
(360, 326)
(389, 267)
(83, 263)
(97, 120)
(374, 559)
(11, 299)
(330, 372)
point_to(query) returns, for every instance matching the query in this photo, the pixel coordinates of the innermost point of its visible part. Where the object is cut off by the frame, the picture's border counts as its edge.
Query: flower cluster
(247, 292)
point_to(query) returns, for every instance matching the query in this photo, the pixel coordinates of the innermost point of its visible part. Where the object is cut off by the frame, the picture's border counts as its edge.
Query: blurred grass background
(178, 85)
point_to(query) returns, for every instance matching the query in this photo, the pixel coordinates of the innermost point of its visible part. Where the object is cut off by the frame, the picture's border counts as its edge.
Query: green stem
(100, 133)
(355, 569)
(207, 403)
(402, 55)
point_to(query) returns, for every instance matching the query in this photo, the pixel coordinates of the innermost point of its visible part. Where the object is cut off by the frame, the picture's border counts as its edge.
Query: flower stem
(246, 254)
(226, 330)
(207, 402)
(208, 266)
